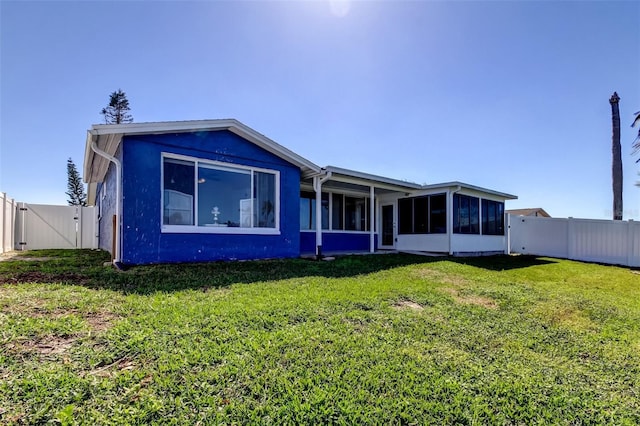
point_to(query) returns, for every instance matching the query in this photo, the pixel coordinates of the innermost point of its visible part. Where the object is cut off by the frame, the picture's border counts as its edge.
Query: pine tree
(77, 196)
(117, 112)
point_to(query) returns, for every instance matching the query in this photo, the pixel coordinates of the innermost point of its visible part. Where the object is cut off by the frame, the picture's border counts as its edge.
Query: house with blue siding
(207, 190)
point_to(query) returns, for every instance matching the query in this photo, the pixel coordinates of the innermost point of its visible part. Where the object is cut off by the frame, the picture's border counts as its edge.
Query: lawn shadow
(503, 262)
(86, 269)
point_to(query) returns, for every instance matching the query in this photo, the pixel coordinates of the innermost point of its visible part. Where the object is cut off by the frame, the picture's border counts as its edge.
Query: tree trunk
(616, 151)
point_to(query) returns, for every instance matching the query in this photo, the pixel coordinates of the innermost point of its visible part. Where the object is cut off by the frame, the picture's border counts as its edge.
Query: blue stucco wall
(335, 241)
(143, 241)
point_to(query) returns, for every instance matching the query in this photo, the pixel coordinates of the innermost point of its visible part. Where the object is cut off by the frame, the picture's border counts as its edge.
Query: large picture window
(466, 211)
(423, 215)
(492, 217)
(218, 196)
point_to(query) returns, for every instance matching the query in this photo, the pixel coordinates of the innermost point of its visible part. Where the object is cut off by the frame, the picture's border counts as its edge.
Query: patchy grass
(366, 339)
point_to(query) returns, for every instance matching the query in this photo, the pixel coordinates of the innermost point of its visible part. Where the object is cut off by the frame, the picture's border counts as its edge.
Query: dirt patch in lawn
(471, 299)
(54, 345)
(43, 277)
(37, 308)
(50, 345)
(408, 304)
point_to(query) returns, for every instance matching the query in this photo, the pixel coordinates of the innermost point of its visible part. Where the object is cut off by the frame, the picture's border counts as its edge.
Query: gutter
(118, 246)
(317, 187)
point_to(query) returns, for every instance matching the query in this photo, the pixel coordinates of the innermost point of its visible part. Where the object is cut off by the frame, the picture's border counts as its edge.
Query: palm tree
(636, 143)
(616, 165)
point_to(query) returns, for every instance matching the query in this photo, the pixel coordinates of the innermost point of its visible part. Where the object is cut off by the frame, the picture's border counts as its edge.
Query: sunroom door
(388, 227)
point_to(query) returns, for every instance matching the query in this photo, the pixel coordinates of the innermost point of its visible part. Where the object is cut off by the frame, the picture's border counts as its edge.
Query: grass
(393, 339)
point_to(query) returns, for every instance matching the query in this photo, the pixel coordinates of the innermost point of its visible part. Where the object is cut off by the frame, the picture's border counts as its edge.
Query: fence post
(12, 238)
(3, 234)
(630, 242)
(570, 238)
(507, 249)
(79, 232)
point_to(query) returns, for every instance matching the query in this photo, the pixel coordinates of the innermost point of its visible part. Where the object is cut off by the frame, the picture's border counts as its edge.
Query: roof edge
(101, 132)
(371, 177)
(504, 195)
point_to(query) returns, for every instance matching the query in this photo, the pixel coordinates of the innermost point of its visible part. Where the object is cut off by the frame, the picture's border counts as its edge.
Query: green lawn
(384, 339)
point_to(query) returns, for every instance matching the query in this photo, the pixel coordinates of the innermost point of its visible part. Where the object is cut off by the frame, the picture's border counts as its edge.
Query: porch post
(317, 186)
(372, 209)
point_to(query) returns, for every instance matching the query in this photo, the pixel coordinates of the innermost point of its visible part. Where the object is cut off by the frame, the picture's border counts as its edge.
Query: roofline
(472, 187)
(118, 131)
(369, 177)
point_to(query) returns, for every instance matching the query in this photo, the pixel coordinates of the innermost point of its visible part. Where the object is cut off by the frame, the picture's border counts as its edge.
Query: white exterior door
(388, 227)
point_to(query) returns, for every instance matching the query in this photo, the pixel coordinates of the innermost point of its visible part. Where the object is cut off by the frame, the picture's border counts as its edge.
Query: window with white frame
(202, 193)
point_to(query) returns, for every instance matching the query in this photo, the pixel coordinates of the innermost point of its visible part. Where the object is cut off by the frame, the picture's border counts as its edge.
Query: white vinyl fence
(41, 226)
(603, 241)
(7, 222)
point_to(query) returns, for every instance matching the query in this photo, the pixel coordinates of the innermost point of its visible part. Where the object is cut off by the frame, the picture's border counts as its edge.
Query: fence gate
(41, 226)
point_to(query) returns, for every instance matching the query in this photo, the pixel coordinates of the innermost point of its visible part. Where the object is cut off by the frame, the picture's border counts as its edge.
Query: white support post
(317, 184)
(372, 235)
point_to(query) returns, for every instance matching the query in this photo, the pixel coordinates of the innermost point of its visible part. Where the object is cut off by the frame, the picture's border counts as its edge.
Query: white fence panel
(41, 226)
(600, 241)
(604, 241)
(542, 236)
(7, 222)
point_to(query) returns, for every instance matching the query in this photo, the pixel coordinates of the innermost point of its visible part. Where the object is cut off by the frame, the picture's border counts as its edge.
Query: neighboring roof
(536, 211)
(109, 137)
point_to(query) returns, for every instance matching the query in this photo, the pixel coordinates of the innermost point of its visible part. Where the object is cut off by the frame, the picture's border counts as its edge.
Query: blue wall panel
(142, 211)
(335, 241)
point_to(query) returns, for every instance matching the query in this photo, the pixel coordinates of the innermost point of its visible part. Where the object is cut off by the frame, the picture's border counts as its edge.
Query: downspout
(317, 187)
(118, 249)
(450, 221)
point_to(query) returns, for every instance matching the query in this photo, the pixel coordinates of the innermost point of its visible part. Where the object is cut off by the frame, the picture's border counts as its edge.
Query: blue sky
(511, 96)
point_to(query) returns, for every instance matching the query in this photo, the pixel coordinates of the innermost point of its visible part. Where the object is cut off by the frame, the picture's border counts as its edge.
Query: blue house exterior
(210, 190)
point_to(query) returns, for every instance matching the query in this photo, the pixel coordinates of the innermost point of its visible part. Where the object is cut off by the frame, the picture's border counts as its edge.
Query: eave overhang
(462, 185)
(355, 177)
(108, 138)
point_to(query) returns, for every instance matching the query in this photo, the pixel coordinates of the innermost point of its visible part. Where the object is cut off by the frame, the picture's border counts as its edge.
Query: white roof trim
(370, 179)
(109, 137)
(471, 187)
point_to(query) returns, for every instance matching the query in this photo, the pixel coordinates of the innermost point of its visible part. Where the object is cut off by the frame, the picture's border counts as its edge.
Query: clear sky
(512, 96)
